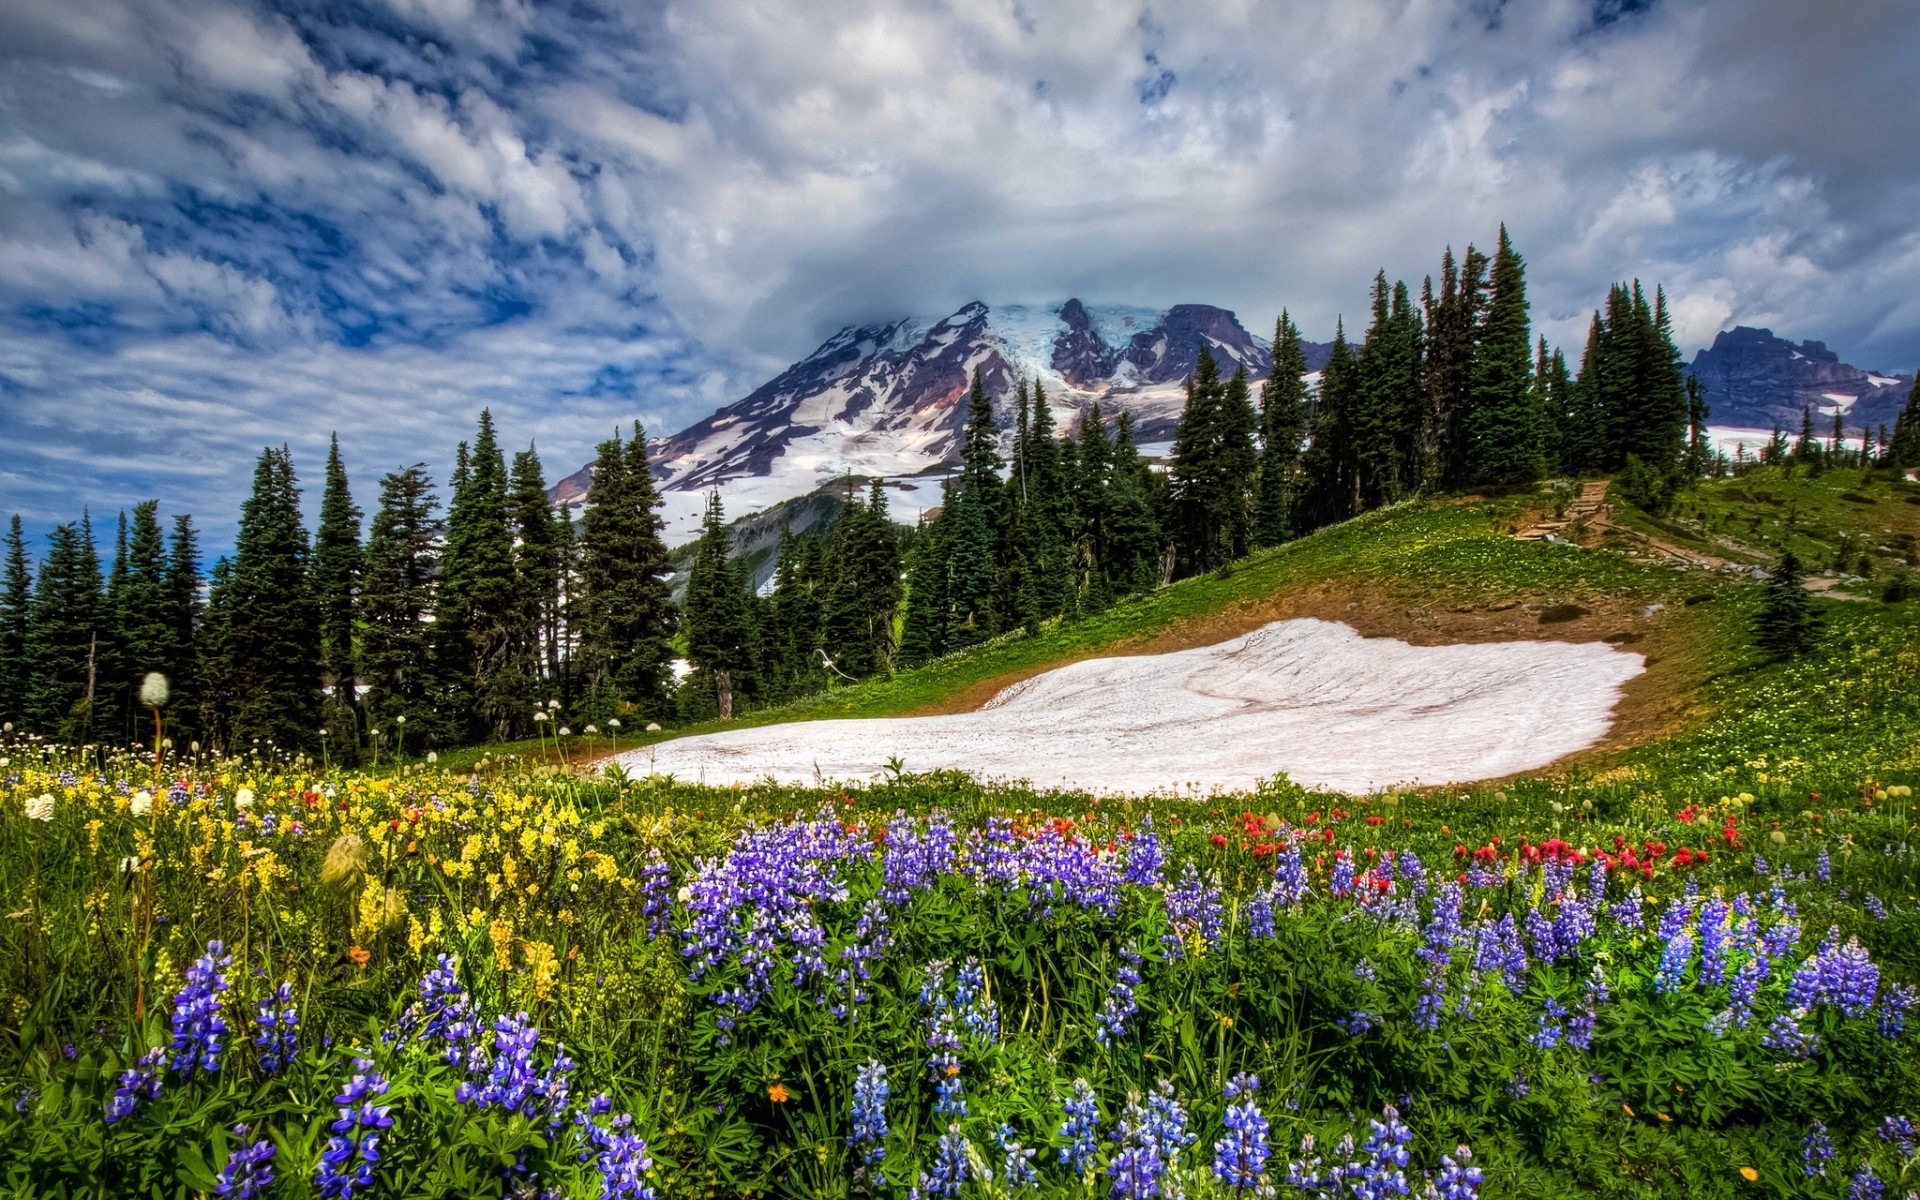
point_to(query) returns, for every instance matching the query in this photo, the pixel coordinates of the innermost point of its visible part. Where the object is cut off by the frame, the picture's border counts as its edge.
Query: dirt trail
(1593, 496)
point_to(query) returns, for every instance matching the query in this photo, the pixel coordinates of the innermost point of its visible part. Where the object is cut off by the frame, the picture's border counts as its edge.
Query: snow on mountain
(889, 400)
(1756, 380)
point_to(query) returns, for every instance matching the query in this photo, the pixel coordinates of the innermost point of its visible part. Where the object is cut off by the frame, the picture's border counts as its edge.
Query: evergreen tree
(570, 610)
(147, 625)
(980, 460)
(1787, 624)
(336, 580)
(273, 626)
(1215, 466)
(1839, 435)
(1049, 520)
(478, 598)
(1701, 458)
(1283, 428)
(184, 616)
(1659, 428)
(1137, 544)
(534, 633)
(923, 630)
(628, 615)
(16, 604)
(1387, 400)
(969, 560)
(793, 638)
(1903, 449)
(401, 571)
(113, 696)
(1503, 434)
(718, 612)
(66, 624)
(1328, 465)
(213, 658)
(1806, 447)
(864, 596)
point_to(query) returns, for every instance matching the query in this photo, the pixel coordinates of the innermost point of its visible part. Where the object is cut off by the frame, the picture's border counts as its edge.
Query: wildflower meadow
(249, 978)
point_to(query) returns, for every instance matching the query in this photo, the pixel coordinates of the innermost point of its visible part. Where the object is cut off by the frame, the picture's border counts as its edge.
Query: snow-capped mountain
(890, 399)
(1755, 380)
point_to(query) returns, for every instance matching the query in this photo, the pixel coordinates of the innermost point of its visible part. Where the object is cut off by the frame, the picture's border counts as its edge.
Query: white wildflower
(142, 802)
(40, 808)
(153, 690)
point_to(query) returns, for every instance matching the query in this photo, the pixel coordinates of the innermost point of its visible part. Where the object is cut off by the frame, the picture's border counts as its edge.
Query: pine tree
(923, 630)
(1701, 458)
(476, 605)
(535, 631)
(1904, 447)
(1504, 430)
(570, 611)
(718, 612)
(1137, 543)
(1215, 466)
(1327, 466)
(16, 604)
(1787, 624)
(980, 460)
(184, 616)
(336, 581)
(273, 630)
(401, 571)
(863, 596)
(1806, 447)
(113, 695)
(969, 558)
(1049, 514)
(628, 610)
(793, 638)
(1283, 428)
(66, 623)
(147, 625)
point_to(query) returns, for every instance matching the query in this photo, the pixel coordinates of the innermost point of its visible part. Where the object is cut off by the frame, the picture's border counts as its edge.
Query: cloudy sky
(224, 225)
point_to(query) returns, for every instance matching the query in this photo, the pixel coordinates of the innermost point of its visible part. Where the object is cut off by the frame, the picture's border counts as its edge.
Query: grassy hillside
(1441, 571)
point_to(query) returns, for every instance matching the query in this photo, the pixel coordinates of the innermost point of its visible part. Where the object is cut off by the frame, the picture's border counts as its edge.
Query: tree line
(434, 627)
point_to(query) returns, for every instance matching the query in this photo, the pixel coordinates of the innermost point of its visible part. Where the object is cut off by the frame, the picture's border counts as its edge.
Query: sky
(228, 225)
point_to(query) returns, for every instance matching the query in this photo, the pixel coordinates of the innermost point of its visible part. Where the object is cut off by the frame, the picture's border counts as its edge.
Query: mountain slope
(1755, 380)
(890, 399)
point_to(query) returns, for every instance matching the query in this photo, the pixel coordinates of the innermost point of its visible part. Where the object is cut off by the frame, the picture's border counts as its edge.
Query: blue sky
(224, 225)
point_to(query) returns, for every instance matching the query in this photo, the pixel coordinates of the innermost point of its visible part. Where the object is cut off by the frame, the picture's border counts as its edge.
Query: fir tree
(534, 632)
(66, 624)
(628, 611)
(718, 612)
(113, 695)
(16, 604)
(1903, 449)
(864, 595)
(1787, 624)
(923, 630)
(1701, 458)
(1327, 465)
(1214, 467)
(1503, 434)
(184, 616)
(401, 571)
(1049, 519)
(273, 627)
(1806, 447)
(478, 598)
(1137, 544)
(147, 625)
(969, 562)
(336, 580)
(1387, 409)
(1283, 428)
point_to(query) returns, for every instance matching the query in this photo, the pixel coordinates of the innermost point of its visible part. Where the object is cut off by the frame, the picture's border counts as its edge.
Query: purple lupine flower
(279, 1037)
(619, 1155)
(1499, 948)
(1816, 1150)
(1459, 1179)
(869, 1137)
(1110, 1023)
(1823, 867)
(1363, 971)
(1144, 858)
(1136, 1172)
(1016, 1160)
(1260, 914)
(346, 1165)
(949, 1171)
(1548, 1032)
(444, 1013)
(1240, 1158)
(1386, 1151)
(143, 1080)
(1876, 908)
(1628, 911)
(1341, 881)
(197, 1023)
(1290, 884)
(656, 891)
(1897, 1131)
(1673, 961)
(1080, 1128)
(1786, 1036)
(1195, 913)
(1844, 976)
(918, 853)
(1714, 917)
(1865, 1184)
(1895, 1001)
(248, 1168)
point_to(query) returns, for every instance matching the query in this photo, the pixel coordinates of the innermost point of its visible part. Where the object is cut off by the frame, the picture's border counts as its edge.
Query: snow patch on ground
(1880, 381)
(1730, 440)
(1306, 697)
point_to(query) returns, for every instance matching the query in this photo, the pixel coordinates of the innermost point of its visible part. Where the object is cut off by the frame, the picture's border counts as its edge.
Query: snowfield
(1309, 698)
